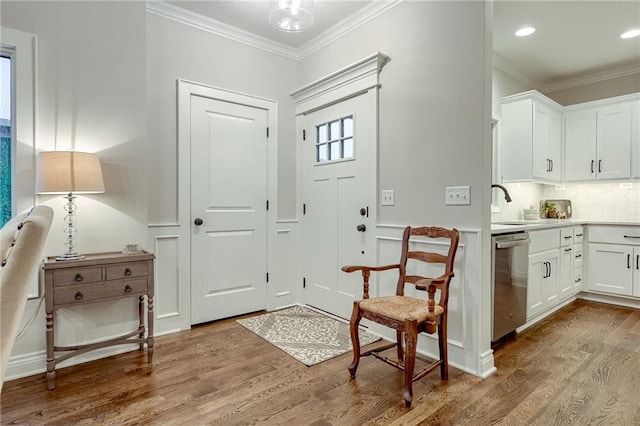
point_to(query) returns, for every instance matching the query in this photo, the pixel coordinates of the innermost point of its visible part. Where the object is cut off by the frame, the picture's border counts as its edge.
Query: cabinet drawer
(77, 275)
(547, 239)
(578, 234)
(577, 256)
(566, 236)
(84, 293)
(614, 234)
(126, 270)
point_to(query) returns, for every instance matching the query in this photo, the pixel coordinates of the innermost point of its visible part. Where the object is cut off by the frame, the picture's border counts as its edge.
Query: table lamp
(69, 172)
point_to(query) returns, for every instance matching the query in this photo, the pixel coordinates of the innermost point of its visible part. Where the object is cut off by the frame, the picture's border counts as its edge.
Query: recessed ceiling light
(525, 31)
(630, 33)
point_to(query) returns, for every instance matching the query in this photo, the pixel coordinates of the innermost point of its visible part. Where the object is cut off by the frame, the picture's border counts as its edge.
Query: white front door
(339, 201)
(228, 209)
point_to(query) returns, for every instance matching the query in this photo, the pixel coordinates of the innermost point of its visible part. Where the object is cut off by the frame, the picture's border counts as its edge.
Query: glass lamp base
(70, 256)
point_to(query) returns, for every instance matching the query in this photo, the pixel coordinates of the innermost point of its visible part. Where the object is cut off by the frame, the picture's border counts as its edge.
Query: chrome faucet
(507, 197)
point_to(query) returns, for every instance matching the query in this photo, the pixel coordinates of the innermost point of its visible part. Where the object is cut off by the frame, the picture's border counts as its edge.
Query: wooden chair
(408, 315)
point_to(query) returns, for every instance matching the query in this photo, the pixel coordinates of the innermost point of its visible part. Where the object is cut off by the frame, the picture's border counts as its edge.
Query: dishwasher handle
(512, 243)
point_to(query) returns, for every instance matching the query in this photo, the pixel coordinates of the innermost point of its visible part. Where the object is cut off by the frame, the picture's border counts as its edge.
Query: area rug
(306, 335)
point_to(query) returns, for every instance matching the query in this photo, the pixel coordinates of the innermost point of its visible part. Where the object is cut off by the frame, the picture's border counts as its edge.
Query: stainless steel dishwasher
(509, 272)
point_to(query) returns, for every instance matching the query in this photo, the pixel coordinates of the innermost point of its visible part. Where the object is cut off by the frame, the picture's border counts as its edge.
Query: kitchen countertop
(508, 226)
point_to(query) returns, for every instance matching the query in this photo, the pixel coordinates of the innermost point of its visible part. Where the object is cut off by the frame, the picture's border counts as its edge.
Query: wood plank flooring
(581, 366)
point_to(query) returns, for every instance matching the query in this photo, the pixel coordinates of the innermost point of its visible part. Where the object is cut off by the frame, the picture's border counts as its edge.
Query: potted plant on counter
(549, 210)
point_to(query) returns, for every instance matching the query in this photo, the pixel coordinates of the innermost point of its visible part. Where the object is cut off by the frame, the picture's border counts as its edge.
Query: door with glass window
(339, 201)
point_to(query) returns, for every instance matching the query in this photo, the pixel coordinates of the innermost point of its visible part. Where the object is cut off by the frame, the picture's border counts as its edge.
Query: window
(6, 96)
(335, 140)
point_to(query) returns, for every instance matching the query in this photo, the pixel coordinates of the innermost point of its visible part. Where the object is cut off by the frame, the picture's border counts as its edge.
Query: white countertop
(505, 227)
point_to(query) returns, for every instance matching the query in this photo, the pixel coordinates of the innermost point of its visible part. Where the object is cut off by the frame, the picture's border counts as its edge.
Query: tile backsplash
(593, 201)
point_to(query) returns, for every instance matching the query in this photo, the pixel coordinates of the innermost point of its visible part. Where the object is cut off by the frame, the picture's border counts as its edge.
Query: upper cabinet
(598, 143)
(635, 139)
(545, 142)
(531, 138)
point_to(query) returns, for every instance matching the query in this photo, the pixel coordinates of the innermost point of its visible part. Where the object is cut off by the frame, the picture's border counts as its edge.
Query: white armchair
(21, 243)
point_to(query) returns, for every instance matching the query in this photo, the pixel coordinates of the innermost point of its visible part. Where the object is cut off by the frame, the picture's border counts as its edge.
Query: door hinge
(267, 277)
(304, 135)
(304, 208)
(304, 282)
(267, 132)
(267, 204)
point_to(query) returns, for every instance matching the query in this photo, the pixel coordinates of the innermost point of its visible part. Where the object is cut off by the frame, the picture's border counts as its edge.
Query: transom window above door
(335, 140)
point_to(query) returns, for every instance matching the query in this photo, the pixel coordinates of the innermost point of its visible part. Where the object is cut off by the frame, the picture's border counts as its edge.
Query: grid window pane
(347, 127)
(334, 134)
(347, 148)
(335, 150)
(321, 153)
(322, 133)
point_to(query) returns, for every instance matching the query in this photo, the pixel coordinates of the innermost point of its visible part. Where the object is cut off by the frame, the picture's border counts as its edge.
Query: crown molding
(194, 20)
(504, 65)
(345, 26)
(592, 78)
(210, 25)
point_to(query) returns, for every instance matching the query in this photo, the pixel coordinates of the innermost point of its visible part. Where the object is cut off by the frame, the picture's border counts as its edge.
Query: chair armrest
(369, 268)
(428, 282)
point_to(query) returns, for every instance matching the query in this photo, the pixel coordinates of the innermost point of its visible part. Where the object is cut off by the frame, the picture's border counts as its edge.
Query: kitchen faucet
(507, 197)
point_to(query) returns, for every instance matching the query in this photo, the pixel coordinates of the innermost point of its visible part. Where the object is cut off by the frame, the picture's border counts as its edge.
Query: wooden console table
(97, 277)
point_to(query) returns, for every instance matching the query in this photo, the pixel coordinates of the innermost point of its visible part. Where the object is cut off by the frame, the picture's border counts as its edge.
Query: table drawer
(77, 275)
(84, 293)
(126, 270)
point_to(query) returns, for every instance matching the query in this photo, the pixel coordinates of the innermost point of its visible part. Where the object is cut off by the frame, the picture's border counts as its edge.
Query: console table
(95, 278)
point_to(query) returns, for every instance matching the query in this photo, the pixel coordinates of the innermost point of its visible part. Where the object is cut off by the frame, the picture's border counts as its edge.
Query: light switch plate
(458, 196)
(388, 197)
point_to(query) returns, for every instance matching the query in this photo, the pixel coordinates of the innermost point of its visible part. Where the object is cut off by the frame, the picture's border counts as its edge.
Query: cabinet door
(542, 285)
(614, 142)
(635, 139)
(610, 268)
(577, 280)
(547, 147)
(566, 273)
(636, 271)
(580, 145)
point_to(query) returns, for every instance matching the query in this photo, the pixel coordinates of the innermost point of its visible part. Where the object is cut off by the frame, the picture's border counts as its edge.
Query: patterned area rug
(304, 334)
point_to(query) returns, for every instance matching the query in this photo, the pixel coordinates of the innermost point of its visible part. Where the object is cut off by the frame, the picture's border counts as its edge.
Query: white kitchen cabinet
(613, 260)
(578, 258)
(531, 138)
(598, 142)
(544, 272)
(635, 139)
(565, 284)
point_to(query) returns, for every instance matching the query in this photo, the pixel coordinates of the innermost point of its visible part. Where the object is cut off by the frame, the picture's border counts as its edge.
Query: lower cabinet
(542, 286)
(613, 260)
(566, 273)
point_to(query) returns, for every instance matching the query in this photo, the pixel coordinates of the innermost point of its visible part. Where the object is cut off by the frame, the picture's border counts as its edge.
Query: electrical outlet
(388, 197)
(458, 196)
(626, 185)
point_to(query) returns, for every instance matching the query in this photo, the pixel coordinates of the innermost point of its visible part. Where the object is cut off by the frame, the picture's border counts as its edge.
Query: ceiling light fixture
(631, 33)
(525, 31)
(290, 17)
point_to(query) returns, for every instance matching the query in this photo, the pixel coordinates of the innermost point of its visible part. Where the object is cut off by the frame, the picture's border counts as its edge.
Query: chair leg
(442, 345)
(399, 338)
(355, 338)
(411, 340)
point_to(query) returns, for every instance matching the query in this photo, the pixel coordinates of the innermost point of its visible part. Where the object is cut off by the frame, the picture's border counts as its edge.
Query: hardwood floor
(581, 366)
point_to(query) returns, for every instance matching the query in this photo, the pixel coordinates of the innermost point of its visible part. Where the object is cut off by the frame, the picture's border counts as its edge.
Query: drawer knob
(79, 296)
(127, 272)
(78, 277)
(127, 288)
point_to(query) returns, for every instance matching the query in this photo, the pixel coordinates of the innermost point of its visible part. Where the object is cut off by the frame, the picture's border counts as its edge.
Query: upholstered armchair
(21, 243)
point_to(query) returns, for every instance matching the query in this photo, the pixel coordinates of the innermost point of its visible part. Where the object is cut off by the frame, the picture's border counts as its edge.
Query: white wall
(434, 132)
(91, 73)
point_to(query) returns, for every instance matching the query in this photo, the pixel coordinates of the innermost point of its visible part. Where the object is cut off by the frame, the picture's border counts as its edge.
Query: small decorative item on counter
(531, 213)
(131, 248)
(549, 210)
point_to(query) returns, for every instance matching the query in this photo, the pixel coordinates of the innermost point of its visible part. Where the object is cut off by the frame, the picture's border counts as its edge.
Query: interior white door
(339, 197)
(228, 209)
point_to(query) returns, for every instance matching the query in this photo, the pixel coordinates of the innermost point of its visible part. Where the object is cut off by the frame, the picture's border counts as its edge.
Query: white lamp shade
(61, 172)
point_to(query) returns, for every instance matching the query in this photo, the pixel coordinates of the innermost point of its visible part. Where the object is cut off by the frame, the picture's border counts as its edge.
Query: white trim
(210, 25)
(592, 78)
(177, 14)
(350, 81)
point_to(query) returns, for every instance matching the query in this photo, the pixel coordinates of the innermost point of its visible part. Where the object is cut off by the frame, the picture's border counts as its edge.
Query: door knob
(361, 227)
(198, 221)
